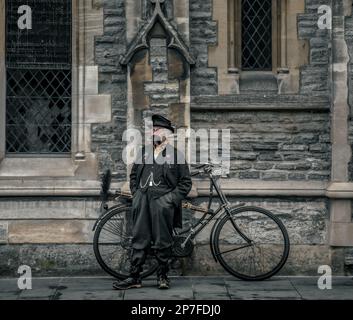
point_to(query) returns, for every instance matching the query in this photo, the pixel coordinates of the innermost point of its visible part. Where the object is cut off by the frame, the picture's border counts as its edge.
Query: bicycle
(250, 242)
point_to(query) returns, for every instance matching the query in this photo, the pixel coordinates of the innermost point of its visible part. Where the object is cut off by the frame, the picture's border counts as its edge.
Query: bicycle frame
(195, 229)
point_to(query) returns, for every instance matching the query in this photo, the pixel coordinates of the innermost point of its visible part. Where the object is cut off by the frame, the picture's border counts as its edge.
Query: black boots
(134, 279)
(134, 282)
(130, 282)
(163, 282)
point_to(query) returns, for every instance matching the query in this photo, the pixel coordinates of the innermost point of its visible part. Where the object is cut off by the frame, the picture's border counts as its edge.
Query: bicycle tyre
(117, 213)
(236, 213)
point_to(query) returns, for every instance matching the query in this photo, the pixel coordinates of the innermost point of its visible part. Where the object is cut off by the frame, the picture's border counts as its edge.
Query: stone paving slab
(210, 289)
(86, 289)
(42, 289)
(9, 289)
(342, 289)
(212, 296)
(8, 285)
(277, 288)
(86, 295)
(182, 288)
(9, 296)
(264, 295)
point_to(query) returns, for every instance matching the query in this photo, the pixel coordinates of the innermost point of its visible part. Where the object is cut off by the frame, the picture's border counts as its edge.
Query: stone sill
(37, 168)
(263, 101)
(62, 187)
(52, 187)
(91, 188)
(32, 167)
(340, 190)
(267, 188)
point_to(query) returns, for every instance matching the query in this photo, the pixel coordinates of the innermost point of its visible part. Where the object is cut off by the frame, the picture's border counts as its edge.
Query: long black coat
(177, 176)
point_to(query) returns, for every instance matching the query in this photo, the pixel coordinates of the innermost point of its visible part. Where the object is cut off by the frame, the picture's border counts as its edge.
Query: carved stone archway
(158, 63)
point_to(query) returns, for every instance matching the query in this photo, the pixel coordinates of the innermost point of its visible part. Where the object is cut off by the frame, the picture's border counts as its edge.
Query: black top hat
(160, 121)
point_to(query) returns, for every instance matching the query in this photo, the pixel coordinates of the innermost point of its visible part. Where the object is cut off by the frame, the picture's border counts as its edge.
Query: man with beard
(159, 181)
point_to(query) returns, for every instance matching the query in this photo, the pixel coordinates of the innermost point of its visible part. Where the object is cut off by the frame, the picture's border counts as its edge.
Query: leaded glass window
(256, 34)
(38, 84)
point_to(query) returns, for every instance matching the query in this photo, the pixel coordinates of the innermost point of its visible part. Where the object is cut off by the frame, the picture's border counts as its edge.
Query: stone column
(341, 227)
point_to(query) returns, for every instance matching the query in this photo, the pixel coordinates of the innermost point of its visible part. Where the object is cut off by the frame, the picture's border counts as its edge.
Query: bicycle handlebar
(206, 168)
(195, 173)
(207, 164)
(201, 166)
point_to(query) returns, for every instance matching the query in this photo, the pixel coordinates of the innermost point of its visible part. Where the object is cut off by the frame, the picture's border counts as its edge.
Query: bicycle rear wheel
(112, 244)
(260, 258)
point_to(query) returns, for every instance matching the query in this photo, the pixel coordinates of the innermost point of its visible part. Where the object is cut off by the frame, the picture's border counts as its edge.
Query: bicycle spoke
(124, 259)
(230, 250)
(110, 229)
(270, 255)
(113, 228)
(267, 251)
(112, 237)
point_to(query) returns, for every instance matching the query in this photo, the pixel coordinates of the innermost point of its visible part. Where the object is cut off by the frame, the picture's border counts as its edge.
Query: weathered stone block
(50, 231)
(249, 175)
(320, 147)
(319, 56)
(98, 108)
(341, 234)
(13, 209)
(240, 165)
(275, 176)
(294, 147)
(317, 176)
(244, 155)
(3, 232)
(269, 157)
(263, 165)
(296, 176)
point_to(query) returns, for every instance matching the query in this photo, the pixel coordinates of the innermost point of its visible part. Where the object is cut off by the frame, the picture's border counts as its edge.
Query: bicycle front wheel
(251, 243)
(112, 244)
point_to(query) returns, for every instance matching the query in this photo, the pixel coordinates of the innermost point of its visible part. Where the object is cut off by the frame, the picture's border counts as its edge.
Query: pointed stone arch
(141, 40)
(158, 65)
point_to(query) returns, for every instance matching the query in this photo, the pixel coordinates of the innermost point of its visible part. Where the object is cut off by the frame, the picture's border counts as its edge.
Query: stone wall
(315, 77)
(277, 146)
(54, 236)
(304, 156)
(107, 138)
(203, 33)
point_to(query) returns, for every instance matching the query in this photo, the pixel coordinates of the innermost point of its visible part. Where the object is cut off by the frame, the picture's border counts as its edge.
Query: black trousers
(152, 229)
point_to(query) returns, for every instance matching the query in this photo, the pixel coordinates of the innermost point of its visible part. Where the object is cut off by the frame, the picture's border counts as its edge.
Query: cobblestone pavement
(182, 288)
